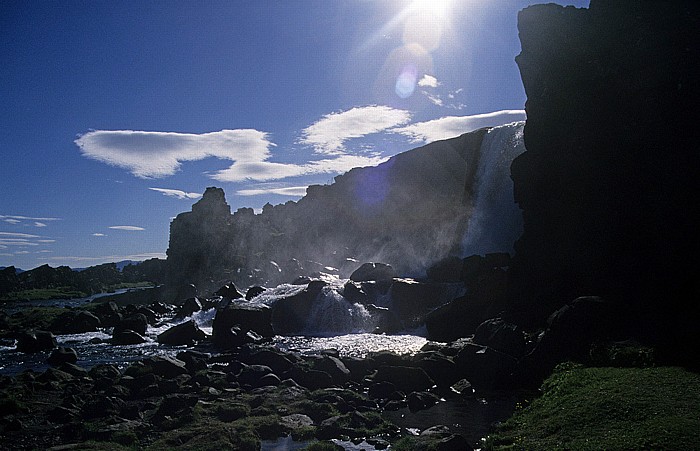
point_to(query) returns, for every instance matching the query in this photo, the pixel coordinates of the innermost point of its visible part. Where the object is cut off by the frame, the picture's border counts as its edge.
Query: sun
(437, 8)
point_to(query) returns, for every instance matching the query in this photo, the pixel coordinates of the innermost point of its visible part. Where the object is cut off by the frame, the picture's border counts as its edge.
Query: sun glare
(437, 8)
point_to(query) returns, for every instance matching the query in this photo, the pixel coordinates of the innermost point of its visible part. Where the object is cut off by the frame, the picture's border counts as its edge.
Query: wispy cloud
(328, 134)
(274, 188)
(16, 242)
(12, 221)
(18, 235)
(265, 170)
(127, 228)
(27, 218)
(39, 224)
(98, 234)
(159, 154)
(451, 126)
(107, 258)
(176, 193)
(428, 81)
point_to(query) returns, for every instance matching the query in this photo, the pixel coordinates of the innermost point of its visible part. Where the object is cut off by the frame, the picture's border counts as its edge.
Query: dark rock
(246, 317)
(446, 270)
(74, 370)
(452, 443)
(381, 390)
(278, 361)
(412, 300)
(333, 367)
(31, 342)
(252, 375)
(460, 318)
(373, 271)
(108, 313)
(497, 259)
(166, 367)
(485, 367)
(62, 355)
(253, 292)
(406, 379)
(105, 371)
(188, 307)
(137, 322)
(176, 405)
(439, 367)
(186, 333)
(607, 187)
(60, 414)
(76, 322)
(501, 336)
(352, 291)
(421, 401)
(311, 379)
(296, 421)
(228, 291)
(127, 337)
(290, 315)
(301, 280)
(463, 387)
(194, 360)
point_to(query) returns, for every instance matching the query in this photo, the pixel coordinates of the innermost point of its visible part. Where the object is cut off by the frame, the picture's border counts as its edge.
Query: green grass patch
(607, 408)
(39, 318)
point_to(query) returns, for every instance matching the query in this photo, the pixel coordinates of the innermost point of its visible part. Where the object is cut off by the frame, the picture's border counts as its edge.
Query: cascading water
(496, 221)
(333, 314)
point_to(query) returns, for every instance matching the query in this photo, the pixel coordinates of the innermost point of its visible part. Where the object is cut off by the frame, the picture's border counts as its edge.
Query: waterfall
(496, 220)
(333, 314)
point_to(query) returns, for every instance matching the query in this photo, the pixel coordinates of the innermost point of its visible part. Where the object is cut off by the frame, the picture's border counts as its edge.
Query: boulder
(166, 367)
(76, 322)
(137, 322)
(188, 307)
(333, 367)
(485, 367)
(127, 337)
(186, 333)
(501, 336)
(245, 317)
(421, 400)
(108, 313)
(412, 300)
(62, 355)
(406, 379)
(290, 315)
(228, 291)
(31, 342)
(373, 272)
(253, 375)
(254, 291)
(439, 367)
(446, 270)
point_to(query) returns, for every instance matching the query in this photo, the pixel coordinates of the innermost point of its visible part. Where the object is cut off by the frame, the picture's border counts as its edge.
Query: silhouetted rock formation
(409, 212)
(609, 181)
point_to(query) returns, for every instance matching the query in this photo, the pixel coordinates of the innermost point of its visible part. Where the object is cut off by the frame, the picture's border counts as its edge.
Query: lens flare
(406, 81)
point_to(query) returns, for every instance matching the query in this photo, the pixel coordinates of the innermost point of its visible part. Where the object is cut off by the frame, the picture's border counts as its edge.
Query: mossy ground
(608, 408)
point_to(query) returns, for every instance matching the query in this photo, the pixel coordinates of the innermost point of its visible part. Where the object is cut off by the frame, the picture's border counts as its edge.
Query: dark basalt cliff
(409, 212)
(609, 182)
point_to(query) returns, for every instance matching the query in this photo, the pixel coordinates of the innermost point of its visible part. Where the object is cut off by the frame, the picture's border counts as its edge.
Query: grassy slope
(608, 408)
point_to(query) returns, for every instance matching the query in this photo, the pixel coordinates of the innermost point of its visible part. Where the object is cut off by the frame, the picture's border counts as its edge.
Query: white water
(496, 221)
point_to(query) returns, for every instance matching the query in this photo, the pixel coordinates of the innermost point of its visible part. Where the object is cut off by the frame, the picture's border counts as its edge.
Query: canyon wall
(609, 182)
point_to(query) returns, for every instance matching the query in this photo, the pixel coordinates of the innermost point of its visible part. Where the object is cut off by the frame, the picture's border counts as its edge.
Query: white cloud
(428, 81)
(434, 99)
(16, 242)
(128, 228)
(39, 224)
(177, 193)
(12, 221)
(328, 134)
(22, 252)
(265, 170)
(451, 126)
(45, 241)
(292, 191)
(27, 218)
(18, 235)
(108, 258)
(44, 252)
(98, 234)
(159, 154)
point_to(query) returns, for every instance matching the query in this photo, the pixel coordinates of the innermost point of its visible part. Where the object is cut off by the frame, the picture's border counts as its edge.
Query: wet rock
(412, 300)
(407, 379)
(188, 307)
(333, 367)
(246, 317)
(76, 322)
(127, 337)
(167, 367)
(105, 371)
(353, 292)
(452, 443)
(381, 390)
(74, 370)
(296, 421)
(137, 322)
(311, 379)
(252, 375)
(278, 361)
(373, 271)
(290, 315)
(439, 367)
(485, 367)
(301, 280)
(254, 291)
(228, 291)
(501, 336)
(463, 387)
(108, 313)
(446, 270)
(194, 360)
(31, 342)
(62, 355)
(186, 333)
(421, 401)
(176, 405)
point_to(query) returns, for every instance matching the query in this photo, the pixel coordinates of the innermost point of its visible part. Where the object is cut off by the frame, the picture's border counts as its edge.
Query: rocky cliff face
(409, 212)
(609, 181)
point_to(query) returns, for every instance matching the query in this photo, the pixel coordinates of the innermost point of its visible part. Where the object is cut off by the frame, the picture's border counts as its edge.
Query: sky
(116, 116)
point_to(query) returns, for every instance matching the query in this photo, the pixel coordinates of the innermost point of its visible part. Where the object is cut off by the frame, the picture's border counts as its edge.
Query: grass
(40, 318)
(38, 294)
(608, 408)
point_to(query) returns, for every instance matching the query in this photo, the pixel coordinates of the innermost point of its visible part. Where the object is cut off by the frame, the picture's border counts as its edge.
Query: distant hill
(17, 270)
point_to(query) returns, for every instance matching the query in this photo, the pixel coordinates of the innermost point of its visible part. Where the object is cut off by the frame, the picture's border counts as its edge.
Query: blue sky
(116, 116)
